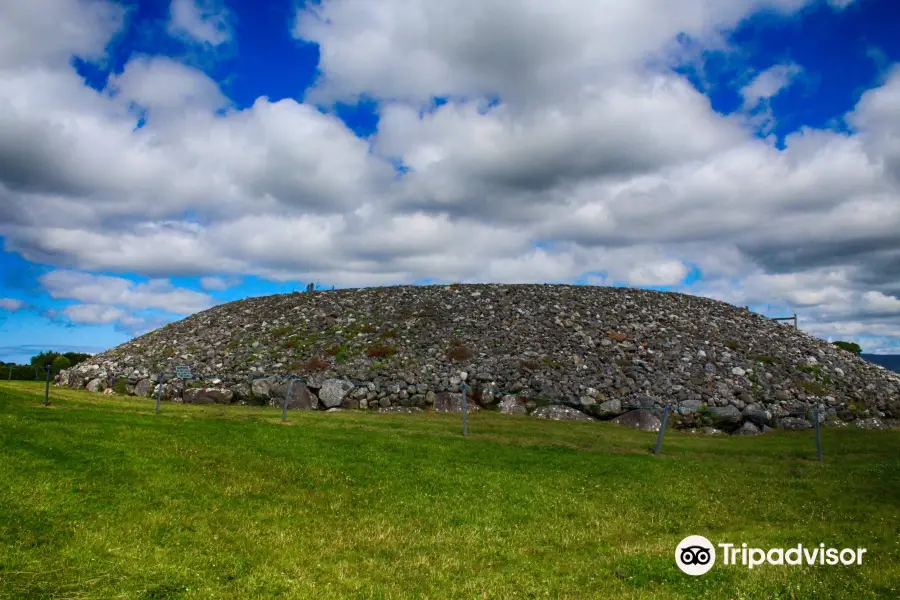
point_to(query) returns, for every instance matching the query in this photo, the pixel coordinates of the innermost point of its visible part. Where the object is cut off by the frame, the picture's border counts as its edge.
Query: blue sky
(200, 152)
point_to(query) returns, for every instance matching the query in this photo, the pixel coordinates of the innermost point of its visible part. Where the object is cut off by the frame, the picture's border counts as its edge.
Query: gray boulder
(794, 423)
(301, 398)
(641, 419)
(511, 405)
(557, 412)
(144, 388)
(332, 392)
(748, 428)
(452, 402)
(690, 406)
(261, 389)
(95, 385)
(725, 416)
(870, 423)
(756, 414)
(607, 409)
(207, 395)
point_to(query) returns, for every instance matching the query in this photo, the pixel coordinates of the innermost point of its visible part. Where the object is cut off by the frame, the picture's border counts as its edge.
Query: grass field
(101, 498)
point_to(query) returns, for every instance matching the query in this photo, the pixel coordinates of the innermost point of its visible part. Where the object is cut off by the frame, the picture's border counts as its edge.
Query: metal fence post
(818, 434)
(47, 368)
(10, 375)
(159, 391)
(662, 430)
(795, 320)
(287, 397)
(465, 412)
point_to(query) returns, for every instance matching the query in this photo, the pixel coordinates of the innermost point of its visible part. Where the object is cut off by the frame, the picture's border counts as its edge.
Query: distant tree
(44, 358)
(60, 363)
(76, 357)
(849, 347)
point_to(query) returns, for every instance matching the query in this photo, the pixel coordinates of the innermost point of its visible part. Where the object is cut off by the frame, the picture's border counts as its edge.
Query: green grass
(101, 498)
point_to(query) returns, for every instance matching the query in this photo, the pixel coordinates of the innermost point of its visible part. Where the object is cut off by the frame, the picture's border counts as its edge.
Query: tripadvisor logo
(695, 555)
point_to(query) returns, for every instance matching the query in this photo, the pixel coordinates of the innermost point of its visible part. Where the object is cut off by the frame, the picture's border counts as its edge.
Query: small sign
(183, 372)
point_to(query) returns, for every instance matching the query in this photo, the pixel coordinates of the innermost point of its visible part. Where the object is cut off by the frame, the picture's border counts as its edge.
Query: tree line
(35, 368)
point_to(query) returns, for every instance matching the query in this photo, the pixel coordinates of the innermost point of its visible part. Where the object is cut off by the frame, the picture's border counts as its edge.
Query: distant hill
(888, 361)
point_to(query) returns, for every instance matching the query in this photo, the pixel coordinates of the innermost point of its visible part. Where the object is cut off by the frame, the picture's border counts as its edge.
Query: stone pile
(549, 351)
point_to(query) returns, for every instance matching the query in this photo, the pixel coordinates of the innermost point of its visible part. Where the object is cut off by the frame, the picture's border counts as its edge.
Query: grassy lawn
(101, 498)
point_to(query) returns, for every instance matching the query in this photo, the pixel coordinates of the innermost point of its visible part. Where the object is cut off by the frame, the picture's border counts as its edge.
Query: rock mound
(601, 351)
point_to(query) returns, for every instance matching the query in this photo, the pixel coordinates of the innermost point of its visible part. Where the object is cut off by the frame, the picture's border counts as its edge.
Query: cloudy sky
(161, 157)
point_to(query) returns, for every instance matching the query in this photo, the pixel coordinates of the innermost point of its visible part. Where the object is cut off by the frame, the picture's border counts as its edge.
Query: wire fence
(183, 374)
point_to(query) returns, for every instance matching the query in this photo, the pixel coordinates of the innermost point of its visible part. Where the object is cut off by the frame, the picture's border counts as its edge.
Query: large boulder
(560, 413)
(607, 409)
(207, 395)
(794, 424)
(300, 396)
(261, 390)
(641, 419)
(452, 402)
(332, 392)
(725, 417)
(755, 414)
(748, 428)
(144, 388)
(96, 385)
(512, 405)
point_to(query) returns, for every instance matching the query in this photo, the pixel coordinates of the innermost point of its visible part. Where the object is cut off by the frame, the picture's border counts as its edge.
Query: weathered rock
(756, 415)
(690, 406)
(641, 419)
(95, 385)
(748, 428)
(144, 388)
(511, 405)
(207, 396)
(560, 413)
(606, 409)
(332, 392)
(300, 396)
(452, 402)
(725, 416)
(400, 409)
(794, 423)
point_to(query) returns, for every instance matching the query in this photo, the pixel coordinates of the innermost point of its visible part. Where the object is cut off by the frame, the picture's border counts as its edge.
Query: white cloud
(206, 21)
(770, 83)
(526, 51)
(597, 160)
(11, 304)
(218, 284)
(115, 291)
(31, 35)
(160, 83)
(94, 314)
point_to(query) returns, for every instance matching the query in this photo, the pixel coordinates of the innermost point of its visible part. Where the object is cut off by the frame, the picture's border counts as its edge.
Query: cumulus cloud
(94, 314)
(11, 304)
(103, 290)
(567, 150)
(204, 21)
(218, 284)
(31, 36)
(160, 83)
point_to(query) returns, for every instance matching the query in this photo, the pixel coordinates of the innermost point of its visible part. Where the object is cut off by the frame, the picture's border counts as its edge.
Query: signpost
(183, 371)
(465, 412)
(47, 368)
